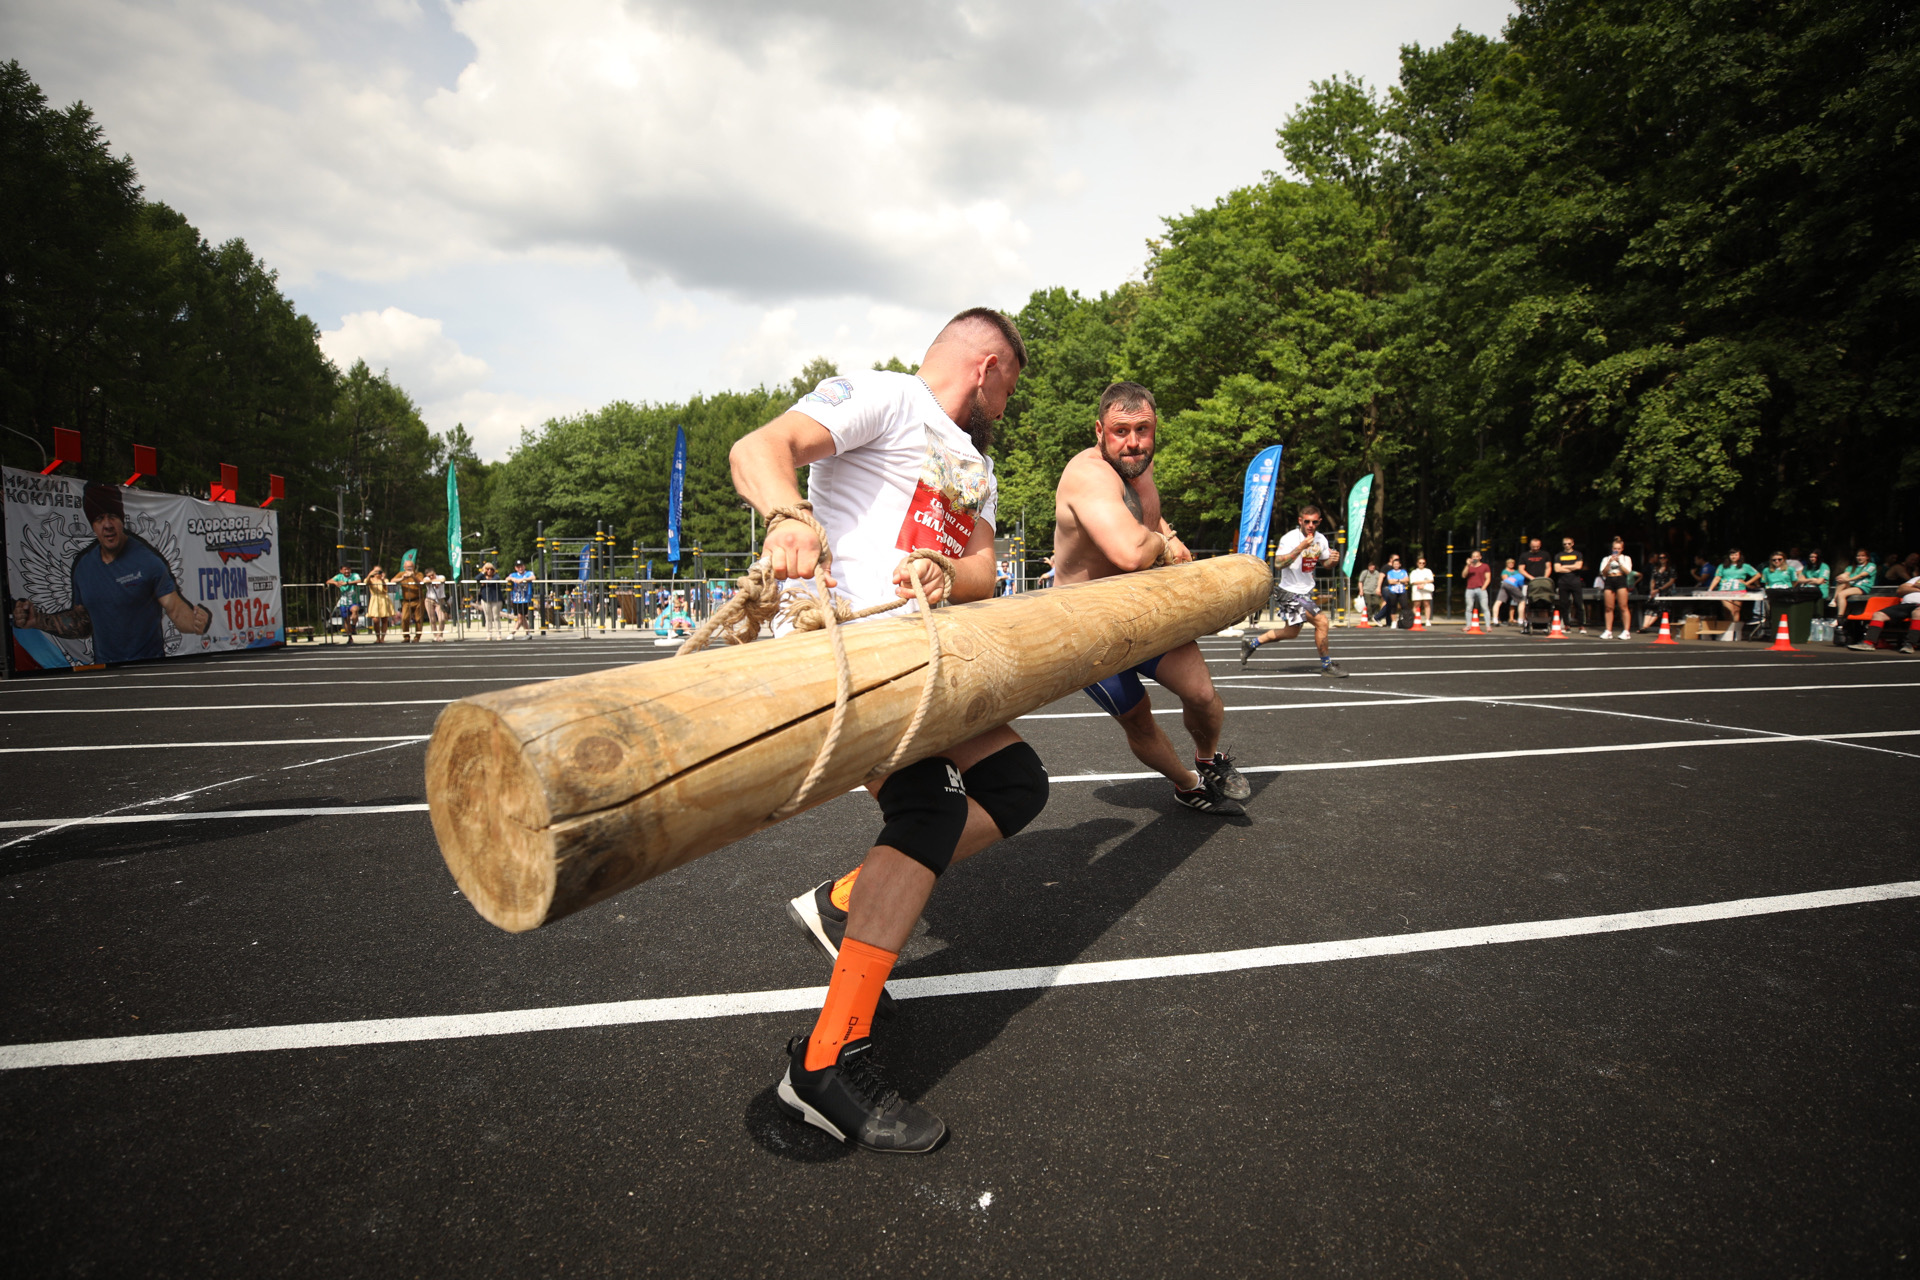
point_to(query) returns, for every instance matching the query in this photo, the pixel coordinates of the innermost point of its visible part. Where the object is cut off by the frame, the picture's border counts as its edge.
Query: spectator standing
(1794, 560)
(1568, 565)
(1393, 591)
(1477, 574)
(1703, 572)
(1734, 575)
(379, 604)
(1421, 583)
(1660, 584)
(1817, 575)
(1616, 583)
(348, 583)
(1513, 592)
(491, 591)
(1902, 571)
(413, 602)
(1533, 561)
(1908, 605)
(1854, 582)
(1371, 580)
(437, 604)
(520, 599)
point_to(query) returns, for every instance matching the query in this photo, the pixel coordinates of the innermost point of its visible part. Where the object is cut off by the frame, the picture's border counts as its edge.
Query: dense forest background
(1637, 267)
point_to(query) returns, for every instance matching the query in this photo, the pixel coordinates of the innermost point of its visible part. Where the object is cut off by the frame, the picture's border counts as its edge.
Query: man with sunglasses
(1301, 551)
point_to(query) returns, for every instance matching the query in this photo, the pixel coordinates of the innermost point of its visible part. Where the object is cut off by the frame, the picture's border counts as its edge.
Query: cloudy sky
(524, 209)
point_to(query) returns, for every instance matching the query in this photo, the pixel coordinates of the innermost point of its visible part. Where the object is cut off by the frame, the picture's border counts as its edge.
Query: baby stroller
(1539, 609)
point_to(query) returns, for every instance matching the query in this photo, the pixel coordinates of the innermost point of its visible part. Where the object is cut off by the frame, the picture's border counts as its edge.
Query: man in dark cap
(121, 586)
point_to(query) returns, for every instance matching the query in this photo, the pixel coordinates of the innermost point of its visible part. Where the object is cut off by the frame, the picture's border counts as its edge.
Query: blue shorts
(1122, 692)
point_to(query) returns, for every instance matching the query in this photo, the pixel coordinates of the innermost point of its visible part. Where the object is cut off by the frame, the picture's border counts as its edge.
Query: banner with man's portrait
(100, 574)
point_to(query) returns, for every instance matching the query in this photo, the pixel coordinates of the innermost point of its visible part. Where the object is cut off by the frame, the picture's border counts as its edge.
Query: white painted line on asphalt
(289, 684)
(366, 704)
(1314, 674)
(235, 742)
(118, 819)
(1319, 766)
(1424, 699)
(333, 1035)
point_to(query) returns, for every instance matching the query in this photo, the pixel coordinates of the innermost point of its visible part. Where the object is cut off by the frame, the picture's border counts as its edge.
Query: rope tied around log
(760, 599)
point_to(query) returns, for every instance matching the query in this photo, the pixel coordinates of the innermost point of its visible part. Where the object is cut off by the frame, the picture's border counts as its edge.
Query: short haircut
(1001, 324)
(102, 500)
(1311, 510)
(1130, 396)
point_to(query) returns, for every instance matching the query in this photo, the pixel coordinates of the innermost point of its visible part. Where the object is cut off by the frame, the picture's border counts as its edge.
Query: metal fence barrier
(553, 608)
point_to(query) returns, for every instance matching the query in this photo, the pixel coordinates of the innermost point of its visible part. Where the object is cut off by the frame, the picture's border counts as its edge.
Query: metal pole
(1449, 573)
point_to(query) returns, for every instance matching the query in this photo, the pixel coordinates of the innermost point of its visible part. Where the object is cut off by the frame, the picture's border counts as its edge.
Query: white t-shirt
(1421, 580)
(1615, 566)
(1298, 576)
(902, 477)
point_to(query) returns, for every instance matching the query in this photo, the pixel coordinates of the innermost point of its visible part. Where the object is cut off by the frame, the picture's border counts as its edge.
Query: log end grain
(490, 816)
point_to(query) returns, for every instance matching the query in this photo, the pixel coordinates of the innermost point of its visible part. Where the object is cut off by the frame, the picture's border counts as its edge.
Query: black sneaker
(852, 1102)
(1246, 651)
(1333, 671)
(1208, 798)
(826, 924)
(1225, 779)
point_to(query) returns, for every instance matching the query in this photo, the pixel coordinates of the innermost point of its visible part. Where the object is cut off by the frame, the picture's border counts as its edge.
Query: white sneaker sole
(803, 913)
(799, 1110)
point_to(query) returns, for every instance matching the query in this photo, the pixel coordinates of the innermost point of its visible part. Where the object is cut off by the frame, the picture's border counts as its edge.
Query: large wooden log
(552, 796)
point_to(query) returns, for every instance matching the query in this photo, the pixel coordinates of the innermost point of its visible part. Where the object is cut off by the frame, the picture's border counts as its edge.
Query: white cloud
(414, 349)
(494, 418)
(862, 148)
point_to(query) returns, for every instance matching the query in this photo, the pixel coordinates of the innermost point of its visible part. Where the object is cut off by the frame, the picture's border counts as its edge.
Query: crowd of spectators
(1527, 590)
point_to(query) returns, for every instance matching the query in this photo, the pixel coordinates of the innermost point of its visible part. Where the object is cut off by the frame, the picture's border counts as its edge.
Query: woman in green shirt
(1776, 575)
(1854, 583)
(1735, 575)
(1817, 575)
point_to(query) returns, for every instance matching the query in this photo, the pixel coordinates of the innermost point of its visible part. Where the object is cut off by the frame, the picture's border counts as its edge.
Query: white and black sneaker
(826, 925)
(1208, 798)
(1226, 779)
(1246, 650)
(1331, 670)
(851, 1101)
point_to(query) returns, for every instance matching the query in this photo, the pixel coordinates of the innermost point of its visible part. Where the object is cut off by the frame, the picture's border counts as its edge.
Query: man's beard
(979, 426)
(1129, 470)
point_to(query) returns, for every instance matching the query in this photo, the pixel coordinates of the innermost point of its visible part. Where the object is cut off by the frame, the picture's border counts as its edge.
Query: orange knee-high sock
(842, 892)
(858, 977)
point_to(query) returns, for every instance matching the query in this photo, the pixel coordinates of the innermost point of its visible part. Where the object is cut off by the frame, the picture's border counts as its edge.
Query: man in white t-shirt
(896, 463)
(1301, 551)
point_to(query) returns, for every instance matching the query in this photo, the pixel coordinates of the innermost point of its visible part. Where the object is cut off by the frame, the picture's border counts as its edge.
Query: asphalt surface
(1722, 1097)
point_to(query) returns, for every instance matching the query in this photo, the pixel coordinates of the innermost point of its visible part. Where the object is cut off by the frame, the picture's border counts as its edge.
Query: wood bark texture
(553, 796)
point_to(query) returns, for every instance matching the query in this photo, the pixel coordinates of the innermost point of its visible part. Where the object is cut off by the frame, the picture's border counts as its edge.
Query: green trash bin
(1800, 620)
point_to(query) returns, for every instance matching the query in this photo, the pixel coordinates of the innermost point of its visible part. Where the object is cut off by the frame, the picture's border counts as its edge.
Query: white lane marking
(284, 684)
(1324, 765)
(1502, 671)
(369, 703)
(328, 1035)
(1385, 699)
(236, 742)
(1316, 766)
(116, 819)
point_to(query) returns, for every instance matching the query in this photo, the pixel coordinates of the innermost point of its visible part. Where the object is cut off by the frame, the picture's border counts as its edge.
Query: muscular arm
(191, 619)
(1098, 499)
(764, 465)
(69, 624)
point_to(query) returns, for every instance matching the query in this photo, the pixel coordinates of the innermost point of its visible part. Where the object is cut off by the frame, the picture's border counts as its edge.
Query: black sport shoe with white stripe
(851, 1101)
(1208, 798)
(826, 925)
(1226, 779)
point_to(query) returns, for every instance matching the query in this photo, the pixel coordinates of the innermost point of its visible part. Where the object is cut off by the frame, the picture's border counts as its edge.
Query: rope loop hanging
(760, 599)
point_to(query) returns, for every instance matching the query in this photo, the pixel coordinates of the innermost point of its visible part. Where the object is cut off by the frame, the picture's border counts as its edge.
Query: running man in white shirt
(896, 463)
(1300, 552)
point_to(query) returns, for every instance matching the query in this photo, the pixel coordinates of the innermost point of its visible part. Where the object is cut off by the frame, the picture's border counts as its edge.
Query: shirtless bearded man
(1107, 521)
(897, 463)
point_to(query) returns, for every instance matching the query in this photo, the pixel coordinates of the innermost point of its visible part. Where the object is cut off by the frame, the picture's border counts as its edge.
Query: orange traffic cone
(1418, 625)
(1360, 607)
(1559, 632)
(1666, 633)
(1473, 624)
(1781, 644)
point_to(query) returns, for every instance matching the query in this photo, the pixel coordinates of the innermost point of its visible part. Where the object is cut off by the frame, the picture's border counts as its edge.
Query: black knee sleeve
(925, 807)
(1011, 785)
